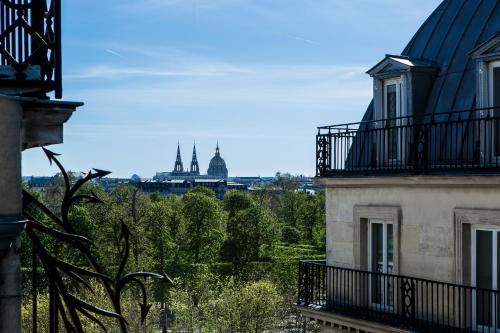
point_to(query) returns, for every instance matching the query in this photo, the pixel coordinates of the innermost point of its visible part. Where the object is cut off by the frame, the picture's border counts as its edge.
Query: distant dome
(217, 167)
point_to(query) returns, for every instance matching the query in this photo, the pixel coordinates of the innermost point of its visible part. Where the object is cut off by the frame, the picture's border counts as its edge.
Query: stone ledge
(331, 323)
(458, 181)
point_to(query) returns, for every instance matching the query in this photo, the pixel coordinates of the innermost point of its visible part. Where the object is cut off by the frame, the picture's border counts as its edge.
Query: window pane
(497, 296)
(391, 112)
(390, 265)
(484, 275)
(496, 111)
(377, 248)
(391, 101)
(377, 262)
(390, 249)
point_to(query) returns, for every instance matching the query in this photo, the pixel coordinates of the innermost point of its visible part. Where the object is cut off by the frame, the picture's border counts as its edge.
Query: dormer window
(412, 79)
(400, 88)
(487, 58)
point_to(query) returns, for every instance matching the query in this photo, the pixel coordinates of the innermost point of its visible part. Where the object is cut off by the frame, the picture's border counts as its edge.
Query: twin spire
(217, 166)
(179, 168)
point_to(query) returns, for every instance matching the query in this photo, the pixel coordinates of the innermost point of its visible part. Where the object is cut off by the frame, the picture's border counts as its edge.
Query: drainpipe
(11, 221)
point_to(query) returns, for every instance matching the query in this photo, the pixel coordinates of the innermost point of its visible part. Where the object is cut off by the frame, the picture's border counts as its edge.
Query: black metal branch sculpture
(67, 306)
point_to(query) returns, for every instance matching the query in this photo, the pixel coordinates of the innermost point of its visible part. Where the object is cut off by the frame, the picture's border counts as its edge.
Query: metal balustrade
(461, 141)
(30, 46)
(415, 304)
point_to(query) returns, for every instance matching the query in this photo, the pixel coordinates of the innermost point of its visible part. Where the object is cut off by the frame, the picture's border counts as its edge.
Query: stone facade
(428, 211)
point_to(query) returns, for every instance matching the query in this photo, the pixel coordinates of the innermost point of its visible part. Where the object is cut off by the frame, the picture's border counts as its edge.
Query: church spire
(195, 168)
(178, 168)
(217, 150)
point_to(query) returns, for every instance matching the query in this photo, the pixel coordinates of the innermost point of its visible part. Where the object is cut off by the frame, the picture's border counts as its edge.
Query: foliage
(252, 229)
(205, 227)
(290, 234)
(235, 260)
(98, 297)
(68, 276)
(228, 307)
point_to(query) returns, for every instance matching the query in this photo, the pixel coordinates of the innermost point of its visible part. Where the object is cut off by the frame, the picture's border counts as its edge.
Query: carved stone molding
(362, 214)
(465, 219)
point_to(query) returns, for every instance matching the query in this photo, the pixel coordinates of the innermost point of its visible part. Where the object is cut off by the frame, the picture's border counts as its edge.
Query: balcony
(401, 302)
(30, 47)
(441, 143)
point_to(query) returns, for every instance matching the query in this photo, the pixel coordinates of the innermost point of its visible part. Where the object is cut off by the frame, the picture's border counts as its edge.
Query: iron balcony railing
(461, 141)
(417, 305)
(30, 46)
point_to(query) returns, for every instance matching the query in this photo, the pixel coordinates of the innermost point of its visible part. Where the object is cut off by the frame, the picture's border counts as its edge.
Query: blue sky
(257, 75)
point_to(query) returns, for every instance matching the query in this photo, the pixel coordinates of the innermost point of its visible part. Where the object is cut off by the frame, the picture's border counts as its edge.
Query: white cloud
(223, 86)
(195, 5)
(114, 53)
(123, 72)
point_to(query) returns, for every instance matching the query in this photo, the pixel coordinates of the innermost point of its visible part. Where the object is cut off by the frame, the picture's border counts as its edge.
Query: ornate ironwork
(414, 304)
(421, 156)
(323, 153)
(60, 274)
(408, 299)
(30, 45)
(439, 143)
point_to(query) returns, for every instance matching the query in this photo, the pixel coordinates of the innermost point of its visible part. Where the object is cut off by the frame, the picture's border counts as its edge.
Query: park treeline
(233, 261)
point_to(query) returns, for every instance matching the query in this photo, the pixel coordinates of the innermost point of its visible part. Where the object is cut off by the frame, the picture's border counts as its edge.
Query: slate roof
(446, 39)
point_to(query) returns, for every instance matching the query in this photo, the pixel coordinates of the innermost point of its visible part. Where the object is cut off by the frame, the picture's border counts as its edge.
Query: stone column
(10, 215)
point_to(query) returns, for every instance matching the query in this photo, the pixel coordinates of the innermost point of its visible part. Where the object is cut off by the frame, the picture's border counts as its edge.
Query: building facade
(413, 191)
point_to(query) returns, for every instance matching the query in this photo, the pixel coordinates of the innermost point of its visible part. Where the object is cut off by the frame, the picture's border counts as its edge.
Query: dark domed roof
(446, 39)
(217, 166)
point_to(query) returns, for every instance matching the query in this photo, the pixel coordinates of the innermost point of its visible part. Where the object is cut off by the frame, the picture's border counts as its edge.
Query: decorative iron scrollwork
(60, 274)
(323, 144)
(30, 43)
(408, 299)
(421, 157)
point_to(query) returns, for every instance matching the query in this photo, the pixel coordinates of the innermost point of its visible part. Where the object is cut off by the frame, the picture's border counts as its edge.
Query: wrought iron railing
(415, 304)
(461, 141)
(30, 46)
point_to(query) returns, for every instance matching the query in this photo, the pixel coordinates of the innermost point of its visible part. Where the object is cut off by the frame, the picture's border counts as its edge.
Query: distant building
(110, 184)
(179, 168)
(217, 168)
(180, 181)
(182, 186)
(40, 183)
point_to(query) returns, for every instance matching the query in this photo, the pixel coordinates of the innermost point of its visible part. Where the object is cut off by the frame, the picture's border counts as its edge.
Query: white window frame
(495, 239)
(400, 112)
(385, 265)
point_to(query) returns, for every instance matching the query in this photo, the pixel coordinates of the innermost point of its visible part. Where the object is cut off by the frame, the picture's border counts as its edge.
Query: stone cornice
(483, 181)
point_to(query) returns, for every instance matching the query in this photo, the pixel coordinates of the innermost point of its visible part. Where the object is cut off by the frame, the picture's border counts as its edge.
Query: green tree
(205, 227)
(252, 307)
(250, 227)
(162, 248)
(234, 201)
(291, 202)
(311, 219)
